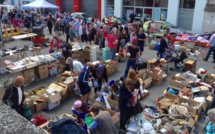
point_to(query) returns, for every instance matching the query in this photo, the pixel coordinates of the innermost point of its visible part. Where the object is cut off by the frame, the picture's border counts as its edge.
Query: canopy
(40, 4)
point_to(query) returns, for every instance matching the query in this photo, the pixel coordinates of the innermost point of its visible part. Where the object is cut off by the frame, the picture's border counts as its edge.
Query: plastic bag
(106, 44)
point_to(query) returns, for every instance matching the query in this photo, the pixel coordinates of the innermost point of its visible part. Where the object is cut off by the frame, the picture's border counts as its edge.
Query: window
(126, 11)
(190, 4)
(145, 3)
(109, 11)
(110, 2)
(163, 14)
(128, 2)
(161, 3)
(12, 2)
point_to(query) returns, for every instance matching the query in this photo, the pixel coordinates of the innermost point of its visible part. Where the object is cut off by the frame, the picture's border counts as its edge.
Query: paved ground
(155, 91)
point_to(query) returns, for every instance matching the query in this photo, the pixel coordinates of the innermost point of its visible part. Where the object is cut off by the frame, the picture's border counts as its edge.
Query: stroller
(178, 60)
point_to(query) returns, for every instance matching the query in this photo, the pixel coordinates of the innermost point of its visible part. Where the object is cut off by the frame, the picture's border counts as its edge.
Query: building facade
(187, 14)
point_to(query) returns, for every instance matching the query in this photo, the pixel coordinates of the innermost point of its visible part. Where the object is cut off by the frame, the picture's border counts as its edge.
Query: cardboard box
(143, 96)
(42, 71)
(190, 45)
(61, 67)
(156, 74)
(92, 99)
(177, 82)
(113, 101)
(30, 101)
(209, 80)
(52, 100)
(157, 83)
(59, 88)
(43, 76)
(168, 100)
(34, 90)
(29, 75)
(40, 106)
(114, 115)
(209, 98)
(193, 103)
(203, 54)
(147, 83)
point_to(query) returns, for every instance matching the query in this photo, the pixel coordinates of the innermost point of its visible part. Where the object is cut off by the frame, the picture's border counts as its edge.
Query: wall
(173, 11)
(67, 5)
(211, 1)
(209, 22)
(90, 7)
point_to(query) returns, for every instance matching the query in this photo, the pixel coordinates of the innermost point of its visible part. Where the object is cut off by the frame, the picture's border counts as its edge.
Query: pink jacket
(16, 23)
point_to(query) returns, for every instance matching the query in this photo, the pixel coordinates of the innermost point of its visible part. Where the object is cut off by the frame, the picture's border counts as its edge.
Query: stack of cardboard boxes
(42, 71)
(156, 74)
(29, 75)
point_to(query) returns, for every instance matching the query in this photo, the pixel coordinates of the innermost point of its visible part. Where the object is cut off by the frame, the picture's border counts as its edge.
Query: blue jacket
(163, 45)
(84, 75)
(124, 98)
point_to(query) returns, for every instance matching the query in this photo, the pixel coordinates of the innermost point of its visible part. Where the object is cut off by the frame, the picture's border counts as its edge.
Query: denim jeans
(209, 53)
(212, 104)
(113, 53)
(103, 43)
(161, 55)
(130, 63)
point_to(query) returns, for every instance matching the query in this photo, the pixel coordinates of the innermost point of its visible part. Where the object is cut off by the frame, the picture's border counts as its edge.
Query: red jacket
(16, 23)
(51, 45)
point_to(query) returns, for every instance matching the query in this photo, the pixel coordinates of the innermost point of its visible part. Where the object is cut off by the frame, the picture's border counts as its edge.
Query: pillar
(100, 9)
(118, 4)
(173, 11)
(198, 16)
(103, 8)
(59, 3)
(76, 5)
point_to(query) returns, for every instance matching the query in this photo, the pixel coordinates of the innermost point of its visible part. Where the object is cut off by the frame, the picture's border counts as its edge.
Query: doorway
(142, 13)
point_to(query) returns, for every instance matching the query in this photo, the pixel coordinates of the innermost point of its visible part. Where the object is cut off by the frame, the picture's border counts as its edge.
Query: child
(80, 110)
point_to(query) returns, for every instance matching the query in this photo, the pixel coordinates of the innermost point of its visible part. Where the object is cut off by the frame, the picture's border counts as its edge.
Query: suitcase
(106, 54)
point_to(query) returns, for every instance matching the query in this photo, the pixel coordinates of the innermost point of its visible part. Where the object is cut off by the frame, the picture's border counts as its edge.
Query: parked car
(146, 16)
(120, 21)
(173, 30)
(80, 15)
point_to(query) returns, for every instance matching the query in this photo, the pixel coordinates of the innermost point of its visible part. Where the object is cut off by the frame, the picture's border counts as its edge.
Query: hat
(134, 40)
(77, 104)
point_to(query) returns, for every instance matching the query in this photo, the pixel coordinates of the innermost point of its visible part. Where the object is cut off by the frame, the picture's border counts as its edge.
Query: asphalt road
(65, 107)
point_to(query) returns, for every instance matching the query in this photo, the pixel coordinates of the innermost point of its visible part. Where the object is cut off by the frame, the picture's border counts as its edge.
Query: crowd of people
(117, 37)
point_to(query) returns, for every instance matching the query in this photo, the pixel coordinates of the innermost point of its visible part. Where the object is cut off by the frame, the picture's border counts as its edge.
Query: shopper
(125, 105)
(211, 43)
(123, 38)
(14, 95)
(209, 125)
(57, 28)
(141, 37)
(152, 26)
(62, 24)
(103, 36)
(112, 43)
(132, 16)
(27, 21)
(78, 24)
(83, 32)
(133, 54)
(99, 72)
(66, 30)
(133, 76)
(118, 34)
(76, 66)
(102, 123)
(54, 44)
(4, 18)
(66, 50)
(72, 33)
(16, 22)
(82, 109)
(83, 80)
(49, 24)
(92, 33)
(163, 46)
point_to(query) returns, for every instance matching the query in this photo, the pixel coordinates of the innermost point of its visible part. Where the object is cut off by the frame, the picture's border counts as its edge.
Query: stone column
(173, 11)
(118, 8)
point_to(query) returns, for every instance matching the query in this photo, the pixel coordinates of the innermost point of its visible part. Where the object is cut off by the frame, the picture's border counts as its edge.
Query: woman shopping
(54, 45)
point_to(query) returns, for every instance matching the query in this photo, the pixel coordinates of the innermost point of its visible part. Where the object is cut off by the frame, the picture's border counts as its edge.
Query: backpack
(67, 125)
(39, 120)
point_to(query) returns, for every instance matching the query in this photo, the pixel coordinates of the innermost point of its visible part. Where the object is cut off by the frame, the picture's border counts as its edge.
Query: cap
(77, 104)
(134, 40)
